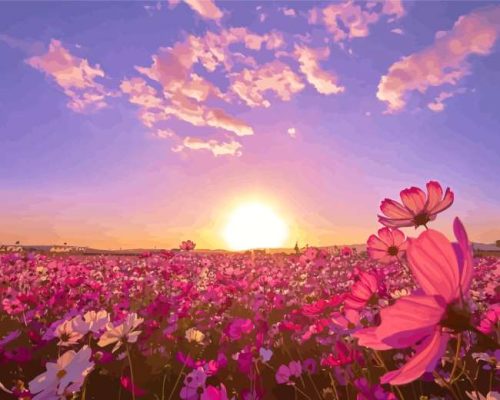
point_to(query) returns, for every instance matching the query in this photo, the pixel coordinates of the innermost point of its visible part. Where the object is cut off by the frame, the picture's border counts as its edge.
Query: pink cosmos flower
(444, 273)
(187, 245)
(362, 291)
(388, 246)
(285, 372)
(490, 319)
(417, 208)
(239, 327)
(127, 384)
(213, 393)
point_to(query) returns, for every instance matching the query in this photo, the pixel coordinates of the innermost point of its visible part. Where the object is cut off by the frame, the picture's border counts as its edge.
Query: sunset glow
(253, 226)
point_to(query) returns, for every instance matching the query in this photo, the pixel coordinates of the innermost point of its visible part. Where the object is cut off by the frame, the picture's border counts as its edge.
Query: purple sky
(127, 124)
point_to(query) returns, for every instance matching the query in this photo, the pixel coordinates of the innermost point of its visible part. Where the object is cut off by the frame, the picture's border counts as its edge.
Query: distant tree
(18, 242)
(65, 243)
(498, 243)
(297, 250)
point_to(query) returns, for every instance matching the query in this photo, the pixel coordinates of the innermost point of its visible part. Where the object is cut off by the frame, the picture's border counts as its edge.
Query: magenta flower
(239, 327)
(187, 245)
(423, 319)
(285, 372)
(417, 208)
(388, 246)
(490, 319)
(128, 385)
(362, 291)
(213, 393)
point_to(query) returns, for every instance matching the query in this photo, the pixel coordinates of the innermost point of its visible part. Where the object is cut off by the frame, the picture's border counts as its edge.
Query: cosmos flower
(239, 327)
(490, 319)
(187, 245)
(96, 321)
(123, 333)
(213, 393)
(193, 382)
(362, 290)
(423, 319)
(194, 335)
(63, 377)
(417, 208)
(285, 372)
(388, 246)
(67, 334)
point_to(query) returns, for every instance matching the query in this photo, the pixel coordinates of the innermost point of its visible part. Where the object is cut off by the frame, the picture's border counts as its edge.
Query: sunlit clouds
(445, 62)
(76, 77)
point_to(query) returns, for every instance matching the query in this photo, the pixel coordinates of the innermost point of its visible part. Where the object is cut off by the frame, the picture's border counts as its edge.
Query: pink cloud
(231, 148)
(219, 119)
(437, 105)
(350, 20)
(74, 75)
(444, 62)
(205, 8)
(288, 12)
(185, 95)
(252, 84)
(324, 82)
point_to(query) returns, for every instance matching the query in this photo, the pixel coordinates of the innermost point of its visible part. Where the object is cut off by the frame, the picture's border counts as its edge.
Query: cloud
(324, 82)
(437, 105)
(219, 119)
(252, 84)
(397, 31)
(444, 62)
(292, 132)
(288, 12)
(164, 133)
(28, 47)
(231, 148)
(74, 75)
(350, 20)
(205, 8)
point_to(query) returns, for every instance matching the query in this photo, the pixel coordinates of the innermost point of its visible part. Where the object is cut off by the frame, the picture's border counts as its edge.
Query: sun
(255, 226)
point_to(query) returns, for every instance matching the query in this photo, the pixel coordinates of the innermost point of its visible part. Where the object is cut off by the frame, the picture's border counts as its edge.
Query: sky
(141, 124)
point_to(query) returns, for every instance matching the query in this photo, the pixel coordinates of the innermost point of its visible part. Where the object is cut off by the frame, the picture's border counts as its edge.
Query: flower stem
(131, 372)
(455, 361)
(178, 379)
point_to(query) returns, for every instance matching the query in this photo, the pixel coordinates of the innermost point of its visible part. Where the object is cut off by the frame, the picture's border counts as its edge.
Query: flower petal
(413, 199)
(464, 255)
(368, 338)
(395, 210)
(444, 204)
(424, 360)
(434, 264)
(409, 319)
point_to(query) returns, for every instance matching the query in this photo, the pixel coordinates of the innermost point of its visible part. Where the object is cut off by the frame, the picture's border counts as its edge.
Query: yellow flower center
(61, 374)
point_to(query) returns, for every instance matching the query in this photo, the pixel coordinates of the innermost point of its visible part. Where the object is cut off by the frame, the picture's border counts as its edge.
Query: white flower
(67, 334)
(194, 335)
(96, 320)
(63, 377)
(123, 333)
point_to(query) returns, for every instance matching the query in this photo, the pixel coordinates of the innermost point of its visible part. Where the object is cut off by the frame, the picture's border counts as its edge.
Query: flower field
(411, 318)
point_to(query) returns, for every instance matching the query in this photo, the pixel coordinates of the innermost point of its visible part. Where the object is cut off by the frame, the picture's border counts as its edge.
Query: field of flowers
(411, 319)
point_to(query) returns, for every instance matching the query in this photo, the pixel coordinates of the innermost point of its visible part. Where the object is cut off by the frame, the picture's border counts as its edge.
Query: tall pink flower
(417, 208)
(387, 246)
(424, 319)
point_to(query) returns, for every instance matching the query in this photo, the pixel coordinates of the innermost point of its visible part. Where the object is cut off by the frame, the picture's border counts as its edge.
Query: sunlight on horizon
(254, 226)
